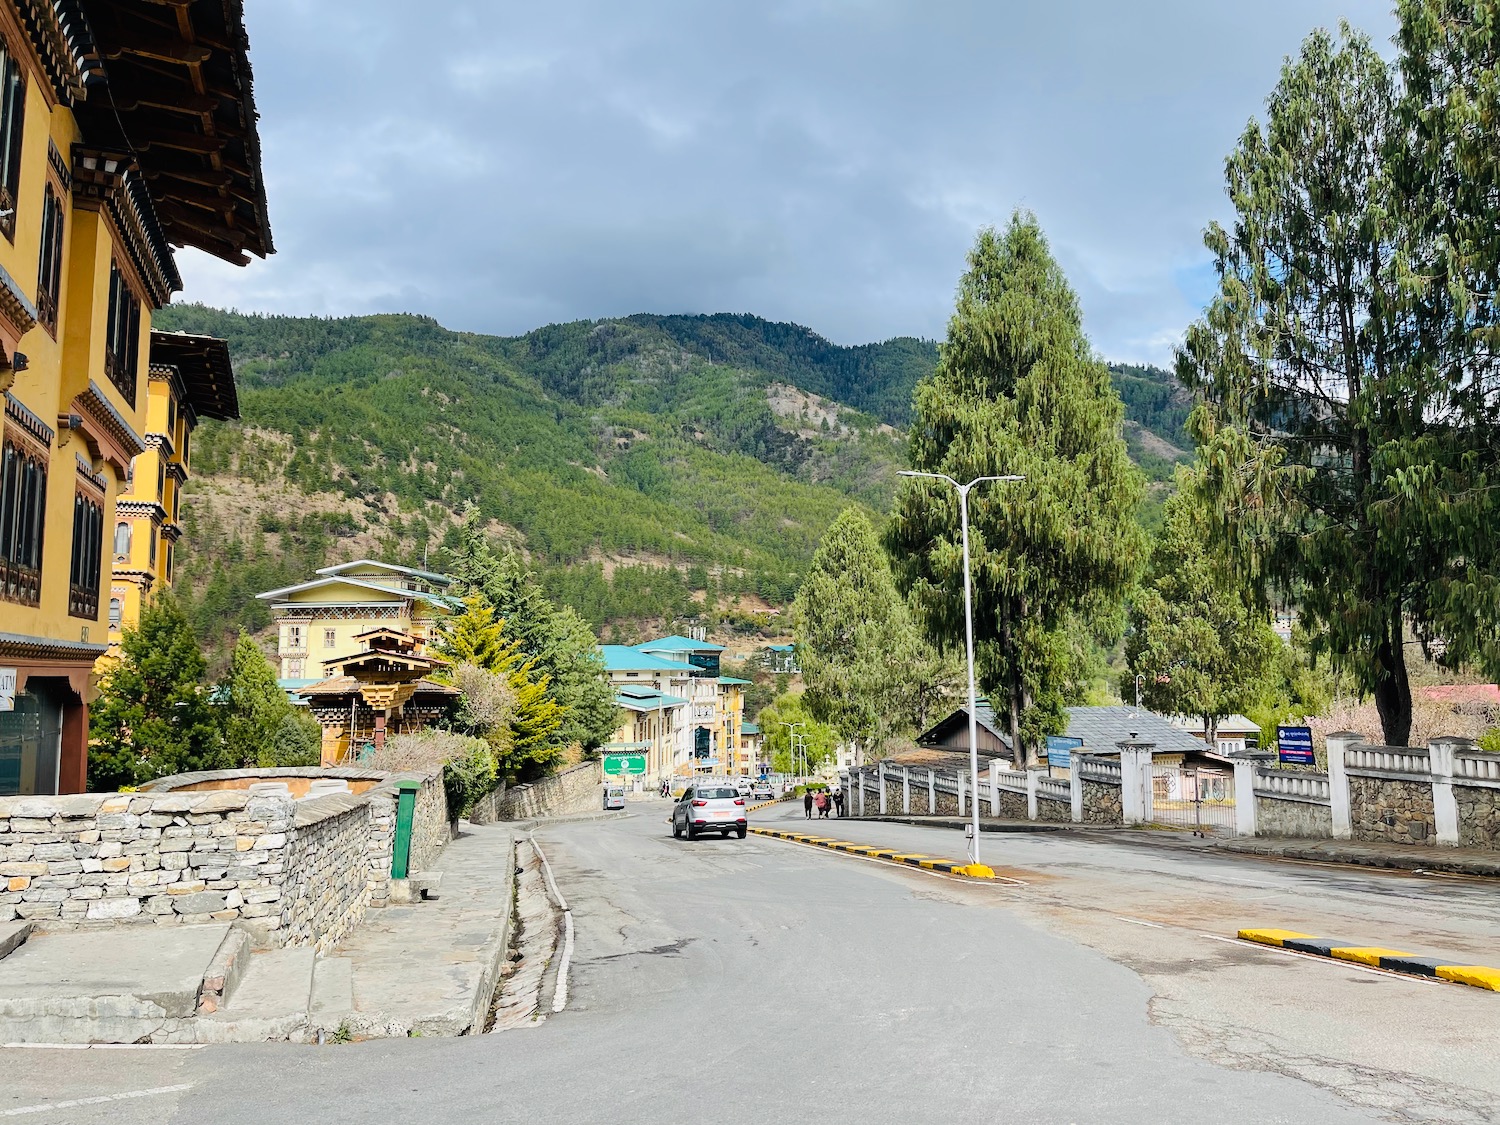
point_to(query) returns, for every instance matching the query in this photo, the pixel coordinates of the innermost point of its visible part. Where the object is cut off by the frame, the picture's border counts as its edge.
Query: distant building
(320, 621)
(1098, 730)
(1233, 735)
(781, 660)
(705, 733)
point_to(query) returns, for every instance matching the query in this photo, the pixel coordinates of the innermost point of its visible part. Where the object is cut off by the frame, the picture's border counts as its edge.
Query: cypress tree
(253, 708)
(1018, 390)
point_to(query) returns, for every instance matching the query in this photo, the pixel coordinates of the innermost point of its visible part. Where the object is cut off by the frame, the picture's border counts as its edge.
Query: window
(172, 420)
(123, 335)
(294, 669)
(161, 476)
(168, 567)
(176, 502)
(85, 570)
(122, 541)
(49, 280)
(294, 638)
(152, 561)
(330, 638)
(115, 613)
(23, 499)
(182, 454)
(12, 117)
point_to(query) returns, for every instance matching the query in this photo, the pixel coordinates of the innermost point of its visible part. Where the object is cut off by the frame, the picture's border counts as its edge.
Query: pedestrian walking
(807, 803)
(823, 805)
(838, 802)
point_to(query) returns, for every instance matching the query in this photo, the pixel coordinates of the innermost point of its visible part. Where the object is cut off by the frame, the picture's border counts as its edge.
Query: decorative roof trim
(20, 314)
(22, 646)
(140, 510)
(17, 412)
(109, 180)
(86, 470)
(60, 36)
(117, 441)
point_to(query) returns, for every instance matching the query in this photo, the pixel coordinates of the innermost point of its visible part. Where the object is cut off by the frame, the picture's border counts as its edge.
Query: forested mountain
(648, 466)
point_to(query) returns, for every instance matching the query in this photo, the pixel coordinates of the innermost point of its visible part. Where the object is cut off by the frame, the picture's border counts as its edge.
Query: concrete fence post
(931, 792)
(1245, 766)
(1338, 782)
(1031, 780)
(1075, 787)
(1444, 804)
(1135, 781)
(880, 780)
(959, 777)
(994, 786)
(906, 790)
(861, 791)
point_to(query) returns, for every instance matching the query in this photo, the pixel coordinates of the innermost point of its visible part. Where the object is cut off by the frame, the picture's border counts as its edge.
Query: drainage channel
(528, 979)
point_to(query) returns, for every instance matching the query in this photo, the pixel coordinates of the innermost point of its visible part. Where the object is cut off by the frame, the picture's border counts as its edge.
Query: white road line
(1139, 922)
(103, 1099)
(1323, 960)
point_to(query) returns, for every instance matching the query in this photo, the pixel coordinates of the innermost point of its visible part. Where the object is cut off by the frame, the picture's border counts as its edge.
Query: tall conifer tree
(1018, 390)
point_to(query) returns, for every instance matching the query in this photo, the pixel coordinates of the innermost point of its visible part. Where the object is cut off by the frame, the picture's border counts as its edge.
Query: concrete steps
(271, 1002)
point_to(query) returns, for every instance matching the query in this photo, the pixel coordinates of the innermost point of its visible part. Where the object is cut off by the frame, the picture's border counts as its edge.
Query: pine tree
(153, 716)
(252, 708)
(1018, 390)
(475, 636)
(1348, 443)
(868, 672)
(1196, 643)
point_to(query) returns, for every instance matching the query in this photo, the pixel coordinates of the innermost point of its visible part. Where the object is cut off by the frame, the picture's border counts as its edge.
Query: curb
(956, 823)
(1392, 960)
(926, 863)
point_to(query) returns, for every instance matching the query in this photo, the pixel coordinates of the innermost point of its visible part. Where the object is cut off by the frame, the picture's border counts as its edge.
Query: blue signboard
(1295, 746)
(1060, 749)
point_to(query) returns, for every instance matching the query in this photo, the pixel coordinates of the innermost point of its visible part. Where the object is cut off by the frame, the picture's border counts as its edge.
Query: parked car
(762, 791)
(614, 797)
(705, 808)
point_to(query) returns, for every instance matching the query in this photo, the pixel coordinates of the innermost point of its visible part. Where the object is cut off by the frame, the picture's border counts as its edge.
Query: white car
(709, 808)
(743, 785)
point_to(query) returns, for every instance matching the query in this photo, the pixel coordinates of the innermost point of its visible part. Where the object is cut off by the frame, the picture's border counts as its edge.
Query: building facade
(125, 129)
(689, 669)
(189, 377)
(321, 621)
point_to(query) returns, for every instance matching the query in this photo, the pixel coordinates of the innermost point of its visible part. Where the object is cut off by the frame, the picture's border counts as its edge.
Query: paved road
(762, 981)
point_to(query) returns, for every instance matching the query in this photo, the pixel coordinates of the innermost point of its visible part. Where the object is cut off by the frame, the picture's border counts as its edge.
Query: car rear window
(717, 794)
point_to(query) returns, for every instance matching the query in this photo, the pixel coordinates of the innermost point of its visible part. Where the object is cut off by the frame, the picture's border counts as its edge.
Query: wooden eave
(179, 97)
(203, 366)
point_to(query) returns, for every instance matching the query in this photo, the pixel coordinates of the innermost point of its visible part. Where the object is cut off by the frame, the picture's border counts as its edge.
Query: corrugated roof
(1101, 728)
(679, 644)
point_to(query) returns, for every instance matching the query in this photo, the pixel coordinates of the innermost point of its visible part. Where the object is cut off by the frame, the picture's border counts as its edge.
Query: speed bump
(1392, 960)
(911, 859)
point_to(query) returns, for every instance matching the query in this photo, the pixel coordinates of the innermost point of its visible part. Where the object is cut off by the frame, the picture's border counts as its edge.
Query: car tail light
(699, 804)
(739, 800)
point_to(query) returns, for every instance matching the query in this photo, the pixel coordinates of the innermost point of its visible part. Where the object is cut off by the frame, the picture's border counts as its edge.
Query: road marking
(1387, 960)
(1321, 960)
(103, 1099)
(942, 868)
(1139, 922)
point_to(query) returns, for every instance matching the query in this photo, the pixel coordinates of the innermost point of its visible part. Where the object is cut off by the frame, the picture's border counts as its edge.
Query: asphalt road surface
(761, 981)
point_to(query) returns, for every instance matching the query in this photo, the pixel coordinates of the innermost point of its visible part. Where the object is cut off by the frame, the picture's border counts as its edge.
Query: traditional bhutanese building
(126, 129)
(323, 620)
(688, 669)
(190, 377)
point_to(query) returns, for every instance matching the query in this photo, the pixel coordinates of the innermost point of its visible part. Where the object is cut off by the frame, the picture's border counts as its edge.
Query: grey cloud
(823, 161)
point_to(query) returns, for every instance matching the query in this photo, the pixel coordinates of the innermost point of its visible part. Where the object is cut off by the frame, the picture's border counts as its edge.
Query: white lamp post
(791, 754)
(963, 517)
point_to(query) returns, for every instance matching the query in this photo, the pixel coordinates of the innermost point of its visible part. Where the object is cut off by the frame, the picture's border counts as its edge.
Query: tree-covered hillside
(650, 466)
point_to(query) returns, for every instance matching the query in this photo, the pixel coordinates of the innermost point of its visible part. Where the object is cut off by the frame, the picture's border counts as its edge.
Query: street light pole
(791, 753)
(963, 518)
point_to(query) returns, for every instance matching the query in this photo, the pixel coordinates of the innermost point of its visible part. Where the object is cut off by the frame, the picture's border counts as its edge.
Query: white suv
(709, 808)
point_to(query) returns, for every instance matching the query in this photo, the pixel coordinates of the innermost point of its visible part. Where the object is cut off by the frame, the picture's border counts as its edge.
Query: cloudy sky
(505, 165)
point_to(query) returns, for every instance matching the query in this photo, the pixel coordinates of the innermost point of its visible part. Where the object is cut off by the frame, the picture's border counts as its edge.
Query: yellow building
(708, 738)
(320, 621)
(189, 378)
(125, 129)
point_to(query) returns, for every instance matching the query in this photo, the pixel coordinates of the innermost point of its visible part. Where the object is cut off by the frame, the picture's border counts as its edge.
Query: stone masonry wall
(1102, 804)
(328, 883)
(575, 790)
(1391, 809)
(1296, 819)
(431, 829)
(1478, 816)
(1057, 812)
(1013, 806)
(143, 858)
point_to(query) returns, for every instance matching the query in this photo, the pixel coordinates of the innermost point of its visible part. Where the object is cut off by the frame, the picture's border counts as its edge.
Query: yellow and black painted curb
(1392, 960)
(925, 862)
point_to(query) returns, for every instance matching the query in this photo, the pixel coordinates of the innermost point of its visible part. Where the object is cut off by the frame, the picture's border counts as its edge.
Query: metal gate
(1196, 797)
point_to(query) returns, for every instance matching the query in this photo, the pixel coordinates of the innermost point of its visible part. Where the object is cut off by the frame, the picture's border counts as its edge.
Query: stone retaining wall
(1102, 804)
(575, 790)
(1392, 810)
(302, 872)
(1054, 811)
(1277, 816)
(1478, 816)
(1014, 805)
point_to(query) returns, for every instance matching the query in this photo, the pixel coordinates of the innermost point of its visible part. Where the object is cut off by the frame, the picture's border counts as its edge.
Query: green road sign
(621, 764)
